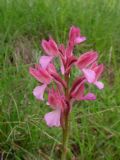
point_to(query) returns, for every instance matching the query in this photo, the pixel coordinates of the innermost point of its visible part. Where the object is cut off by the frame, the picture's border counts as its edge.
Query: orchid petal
(89, 75)
(74, 33)
(58, 79)
(40, 74)
(53, 118)
(99, 84)
(44, 76)
(62, 69)
(45, 46)
(51, 68)
(94, 65)
(79, 94)
(89, 96)
(53, 99)
(75, 36)
(86, 59)
(38, 92)
(54, 48)
(50, 47)
(34, 72)
(80, 40)
(98, 70)
(45, 60)
(78, 91)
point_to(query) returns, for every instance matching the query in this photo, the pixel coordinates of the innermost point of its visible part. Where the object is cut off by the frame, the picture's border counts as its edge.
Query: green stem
(65, 138)
(66, 126)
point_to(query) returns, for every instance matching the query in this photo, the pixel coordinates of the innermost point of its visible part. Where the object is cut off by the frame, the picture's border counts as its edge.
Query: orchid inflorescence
(61, 95)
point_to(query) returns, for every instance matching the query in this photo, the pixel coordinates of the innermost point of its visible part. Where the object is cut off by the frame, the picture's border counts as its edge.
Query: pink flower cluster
(60, 94)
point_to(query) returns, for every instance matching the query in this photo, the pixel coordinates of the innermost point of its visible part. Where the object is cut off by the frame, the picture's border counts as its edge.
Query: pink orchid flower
(45, 76)
(51, 49)
(75, 36)
(83, 63)
(42, 76)
(77, 90)
(61, 94)
(57, 103)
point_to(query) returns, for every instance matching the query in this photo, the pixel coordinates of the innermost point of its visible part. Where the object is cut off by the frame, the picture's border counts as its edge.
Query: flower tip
(99, 85)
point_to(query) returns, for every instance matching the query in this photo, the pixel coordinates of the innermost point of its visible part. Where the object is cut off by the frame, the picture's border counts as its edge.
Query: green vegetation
(95, 132)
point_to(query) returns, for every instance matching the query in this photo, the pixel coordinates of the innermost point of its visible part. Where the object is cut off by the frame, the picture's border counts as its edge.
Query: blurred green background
(95, 131)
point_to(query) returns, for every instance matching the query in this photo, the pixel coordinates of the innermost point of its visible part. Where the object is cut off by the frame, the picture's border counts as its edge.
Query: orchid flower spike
(60, 94)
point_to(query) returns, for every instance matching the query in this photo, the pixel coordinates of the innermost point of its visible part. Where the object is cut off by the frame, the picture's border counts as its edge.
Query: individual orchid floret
(74, 39)
(51, 49)
(40, 74)
(57, 103)
(75, 36)
(77, 90)
(91, 72)
(83, 63)
(43, 77)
